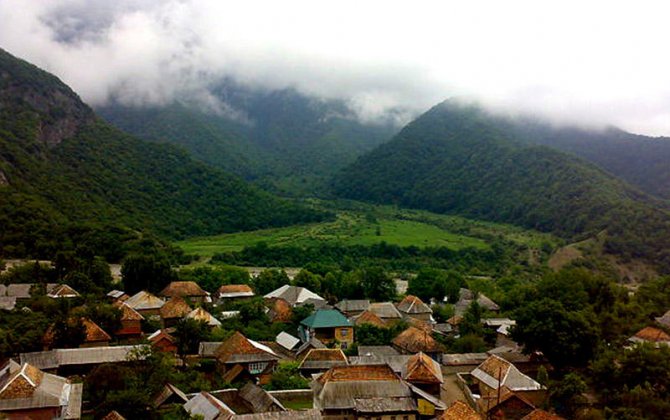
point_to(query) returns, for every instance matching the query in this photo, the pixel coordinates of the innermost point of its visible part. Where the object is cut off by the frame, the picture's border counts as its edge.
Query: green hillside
(457, 159)
(281, 139)
(60, 165)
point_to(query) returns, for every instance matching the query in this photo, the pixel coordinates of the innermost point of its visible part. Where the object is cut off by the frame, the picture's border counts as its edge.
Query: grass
(362, 224)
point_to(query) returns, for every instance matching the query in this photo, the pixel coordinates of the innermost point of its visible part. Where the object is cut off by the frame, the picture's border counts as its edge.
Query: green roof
(326, 318)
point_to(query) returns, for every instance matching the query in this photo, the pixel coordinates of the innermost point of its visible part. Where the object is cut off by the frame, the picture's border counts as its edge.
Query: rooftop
(143, 301)
(294, 294)
(460, 411)
(235, 290)
(326, 318)
(183, 289)
(414, 340)
(652, 335)
(239, 349)
(413, 305)
(420, 368)
(199, 314)
(175, 308)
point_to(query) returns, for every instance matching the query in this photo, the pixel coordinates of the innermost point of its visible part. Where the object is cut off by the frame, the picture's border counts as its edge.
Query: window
(344, 332)
(255, 368)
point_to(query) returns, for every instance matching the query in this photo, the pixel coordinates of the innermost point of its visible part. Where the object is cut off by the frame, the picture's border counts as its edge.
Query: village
(324, 362)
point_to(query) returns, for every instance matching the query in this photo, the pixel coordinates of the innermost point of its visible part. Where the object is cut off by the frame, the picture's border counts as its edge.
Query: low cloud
(591, 63)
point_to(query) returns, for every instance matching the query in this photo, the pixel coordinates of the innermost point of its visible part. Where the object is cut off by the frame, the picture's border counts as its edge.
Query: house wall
(33, 414)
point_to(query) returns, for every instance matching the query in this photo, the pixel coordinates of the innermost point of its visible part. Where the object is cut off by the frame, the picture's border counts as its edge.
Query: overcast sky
(586, 62)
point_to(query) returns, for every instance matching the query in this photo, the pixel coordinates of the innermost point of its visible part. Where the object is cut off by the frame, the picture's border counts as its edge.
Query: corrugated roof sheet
(385, 310)
(210, 408)
(83, 356)
(144, 301)
(413, 305)
(664, 319)
(353, 305)
(7, 303)
(311, 414)
(293, 294)
(323, 359)
(326, 318)
(208, 348)
(199, 314)
(397, 362)
(287, 341)
(381, 405)
(377, 350)
(497, 372)
(259, 399)
(128, 313)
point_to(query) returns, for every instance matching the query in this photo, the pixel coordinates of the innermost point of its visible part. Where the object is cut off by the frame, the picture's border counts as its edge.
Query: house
(239, 358)
(234, 292)
(327, 325)
(186, 290)
(7, 303)
(305, 347)
(287, 341)
(161, 340)
(131, 322)
(113, 415)
(208, 407)
(364, 391)
(370, 318)
(207, 349)
(20, 291)
(414, 340)
(462, 362)
(466, 297)
(653, 335)
(145, 303)
(413, 307)
(117, 295)
(386, 311)
(352, 307)
(169, 395)
(82, 360)
(295, 295)
(508, 405)
(62, 291)
(459, 410)
(496, 373)
(664, 320)
(26, 392)
(174, 310)
(279, 310)
(377, 351)
(320, 360)
(397, 362)
(424, 373)
(199, 314)
(94, 336)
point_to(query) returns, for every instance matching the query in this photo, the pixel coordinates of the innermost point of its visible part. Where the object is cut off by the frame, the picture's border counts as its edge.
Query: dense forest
(457, 159)
(283, 140)
(60, 166)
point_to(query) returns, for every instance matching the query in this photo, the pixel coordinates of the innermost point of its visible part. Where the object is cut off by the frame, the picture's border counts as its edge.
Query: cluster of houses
(412, 378)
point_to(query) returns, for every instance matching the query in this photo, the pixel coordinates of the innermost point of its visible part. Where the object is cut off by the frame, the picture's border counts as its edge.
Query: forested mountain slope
(283, 140)
(458, 159)
(61, 165)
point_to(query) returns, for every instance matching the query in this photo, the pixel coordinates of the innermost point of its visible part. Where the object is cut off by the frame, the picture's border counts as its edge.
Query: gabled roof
(209, 407)
(94, 332)
(420, 368)
(497, 372)
(259, 399)
(143, 301)
(280, 310)
(413, 305)
(113, 415)
(651, 335)
(29, 388)
(313, 343)
(183, 289)
(460, 411)
(239, 349)
(358, 373)
(208, 348)
(326, 318)
(128, 313)
(63, 291)
(235, 290)
(377, 351)
(367, 317)
(397, 362)
(466, 297)
(160, 335)
(83, 356)
(294, 294)
(414, 340)
(116, 294)
(175, 308)
(169, 391)
(353, 305)
(323, 359)
(287, 341)
(385, 310)
(200, 314)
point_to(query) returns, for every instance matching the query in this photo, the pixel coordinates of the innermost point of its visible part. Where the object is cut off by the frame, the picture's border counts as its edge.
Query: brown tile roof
(495, 367)
(62, 290)
(414, 340)
(539, 414)
(175, 308)
(183, 288)
(358, 373)
(235, 288)
(128, 313)
(22, 383)
(94, 332)
(652, 334)
(113, 415)
(238, 344)
(326, 355)
(455, 320)
(460, 411)
(160, 335)
(421, 368)
(368, 317)
(413, 305)
(422, 325)
(280, 310)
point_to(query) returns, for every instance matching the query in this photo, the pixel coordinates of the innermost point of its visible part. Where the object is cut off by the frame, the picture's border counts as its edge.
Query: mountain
(62, 165)
(283, 140)
(458, 159)
(639, 160)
